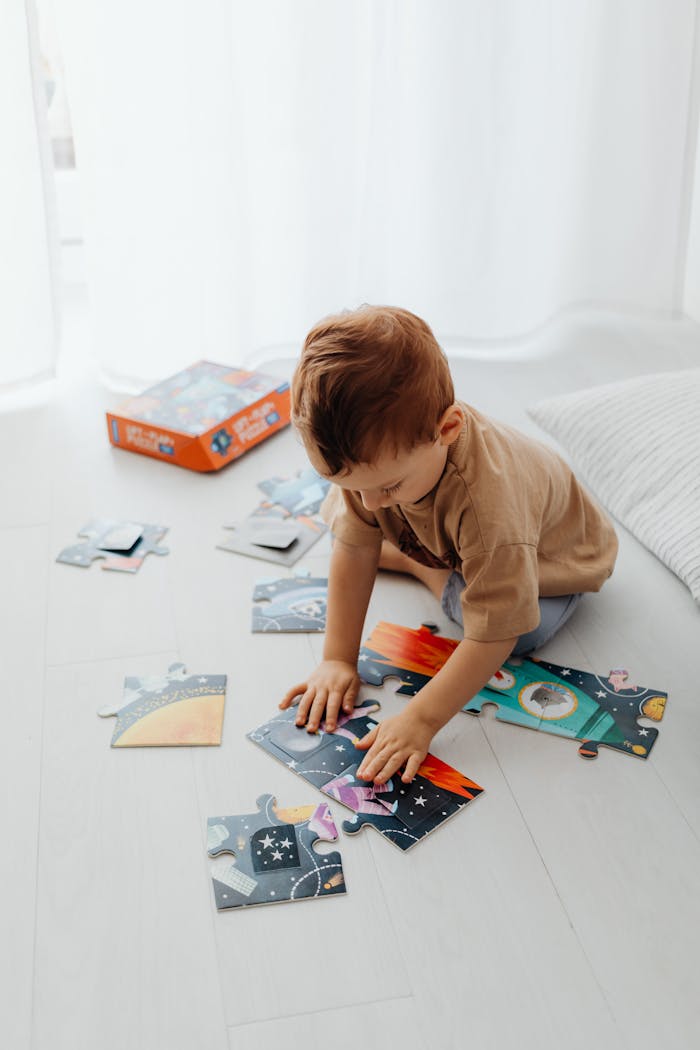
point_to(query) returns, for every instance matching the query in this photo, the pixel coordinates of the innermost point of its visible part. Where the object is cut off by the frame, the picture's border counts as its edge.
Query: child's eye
(392, 490)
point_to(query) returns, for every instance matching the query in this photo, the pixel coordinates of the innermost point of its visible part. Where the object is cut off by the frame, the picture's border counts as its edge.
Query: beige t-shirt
(508, 514)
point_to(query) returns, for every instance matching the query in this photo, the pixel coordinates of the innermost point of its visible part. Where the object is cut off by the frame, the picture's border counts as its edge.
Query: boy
(493, 522)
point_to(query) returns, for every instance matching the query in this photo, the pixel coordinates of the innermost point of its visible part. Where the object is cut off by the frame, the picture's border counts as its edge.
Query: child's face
(396, 477)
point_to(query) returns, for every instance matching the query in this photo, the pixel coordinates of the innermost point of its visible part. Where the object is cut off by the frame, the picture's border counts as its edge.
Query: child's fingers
(292, 694)
(350, 697)
(412, 767)
(317, 708)
(366, 742)
(332, 708)
(391, 765)
(373, 761)
(305, 704)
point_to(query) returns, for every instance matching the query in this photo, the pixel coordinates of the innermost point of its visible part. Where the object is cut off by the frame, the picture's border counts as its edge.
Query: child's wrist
(339, 656)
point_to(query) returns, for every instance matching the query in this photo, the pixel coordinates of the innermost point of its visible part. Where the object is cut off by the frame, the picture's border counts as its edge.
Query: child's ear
(451, 423)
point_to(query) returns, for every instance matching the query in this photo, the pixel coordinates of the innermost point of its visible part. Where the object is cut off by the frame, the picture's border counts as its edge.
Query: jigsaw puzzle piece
(171, 710)
(245, 538)
(296, 604)
(392, 651)
(403, 813)
(519, 701)
(564, 701)
(317, 757)
(273, 857)
(619, 704)
(123, 544)
(302, 494)
(406, 813)
(270, 532)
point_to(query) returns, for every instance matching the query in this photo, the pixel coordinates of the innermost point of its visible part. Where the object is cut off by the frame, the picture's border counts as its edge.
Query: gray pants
(554, 612)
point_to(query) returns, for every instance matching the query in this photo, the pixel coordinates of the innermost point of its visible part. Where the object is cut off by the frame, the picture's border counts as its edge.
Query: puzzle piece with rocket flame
(562, 701)
(402, 813)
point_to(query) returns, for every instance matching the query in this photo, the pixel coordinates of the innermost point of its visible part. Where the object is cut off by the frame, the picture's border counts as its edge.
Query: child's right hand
(334, 684)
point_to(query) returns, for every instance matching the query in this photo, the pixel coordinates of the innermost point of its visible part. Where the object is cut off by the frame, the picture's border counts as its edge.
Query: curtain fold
(250, 167)
(28, 239)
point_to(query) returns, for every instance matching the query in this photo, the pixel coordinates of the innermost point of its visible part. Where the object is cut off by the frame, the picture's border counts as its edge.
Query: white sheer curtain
(251, 166)
(28, 331)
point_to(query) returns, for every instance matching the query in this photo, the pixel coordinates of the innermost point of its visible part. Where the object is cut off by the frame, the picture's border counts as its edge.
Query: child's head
(372, 396)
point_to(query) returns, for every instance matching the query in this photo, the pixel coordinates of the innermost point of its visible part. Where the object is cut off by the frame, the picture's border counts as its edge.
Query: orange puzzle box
(202, 418)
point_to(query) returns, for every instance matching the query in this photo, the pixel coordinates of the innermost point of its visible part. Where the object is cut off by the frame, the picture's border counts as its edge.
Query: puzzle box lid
(202, 417)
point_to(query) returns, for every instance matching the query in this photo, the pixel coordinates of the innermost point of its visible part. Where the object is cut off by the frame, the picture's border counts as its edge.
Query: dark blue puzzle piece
(403, 813)
(294, 604)
(273, 855)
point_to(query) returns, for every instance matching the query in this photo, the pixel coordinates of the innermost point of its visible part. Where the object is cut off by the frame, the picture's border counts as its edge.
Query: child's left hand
(402, 739)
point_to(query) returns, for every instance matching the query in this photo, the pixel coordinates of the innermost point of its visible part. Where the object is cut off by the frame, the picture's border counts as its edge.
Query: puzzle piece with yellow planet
(268, 857)
(171, 710)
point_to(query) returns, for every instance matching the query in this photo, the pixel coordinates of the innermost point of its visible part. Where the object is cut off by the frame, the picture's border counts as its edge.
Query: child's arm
(405, 738)
(335, 681)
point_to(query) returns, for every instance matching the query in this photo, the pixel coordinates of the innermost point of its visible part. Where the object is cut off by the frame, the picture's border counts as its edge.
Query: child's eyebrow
(392, 484)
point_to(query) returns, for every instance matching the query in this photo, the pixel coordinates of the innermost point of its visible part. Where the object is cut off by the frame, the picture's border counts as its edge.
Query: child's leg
(554, 612)
(394, 560)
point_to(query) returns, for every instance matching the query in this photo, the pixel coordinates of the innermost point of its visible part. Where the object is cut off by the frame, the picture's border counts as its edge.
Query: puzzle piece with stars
(294, 604)
(559, 700)
(402, 813)
(273, 855)
(123, 544)
(593, 709)
(175, 709)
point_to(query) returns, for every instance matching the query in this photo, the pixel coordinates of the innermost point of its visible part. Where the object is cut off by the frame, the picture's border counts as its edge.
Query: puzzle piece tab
(123, 544)
(273, 856)
(402, 813)
(295, 604)
(171, 710)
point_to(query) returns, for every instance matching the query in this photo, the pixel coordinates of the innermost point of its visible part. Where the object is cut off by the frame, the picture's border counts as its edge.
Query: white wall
(27, 226)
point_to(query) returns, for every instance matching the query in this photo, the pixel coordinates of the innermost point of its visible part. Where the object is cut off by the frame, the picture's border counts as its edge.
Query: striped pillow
(636, 444)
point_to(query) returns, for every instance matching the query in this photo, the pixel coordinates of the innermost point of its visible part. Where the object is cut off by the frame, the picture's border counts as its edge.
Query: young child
(493, 522)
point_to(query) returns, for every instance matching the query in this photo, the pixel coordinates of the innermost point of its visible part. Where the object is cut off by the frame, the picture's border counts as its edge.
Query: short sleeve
(501, 594)
(349, 520)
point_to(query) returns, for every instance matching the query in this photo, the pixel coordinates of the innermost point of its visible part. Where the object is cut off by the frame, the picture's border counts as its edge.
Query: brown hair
(367, 379)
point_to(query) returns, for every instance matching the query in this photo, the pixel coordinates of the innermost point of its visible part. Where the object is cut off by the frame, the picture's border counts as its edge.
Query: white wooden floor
(560, 910)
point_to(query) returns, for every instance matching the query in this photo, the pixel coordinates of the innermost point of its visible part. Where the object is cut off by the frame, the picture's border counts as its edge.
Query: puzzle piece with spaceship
(171, 710)
(297, 604)
(123, 544)
(593, 709)
(402, 813)
(301, 494)
(273, 856)
(285, 525)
